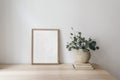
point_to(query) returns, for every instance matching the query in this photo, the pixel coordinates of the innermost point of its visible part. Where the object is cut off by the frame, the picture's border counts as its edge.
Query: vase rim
(83, 50)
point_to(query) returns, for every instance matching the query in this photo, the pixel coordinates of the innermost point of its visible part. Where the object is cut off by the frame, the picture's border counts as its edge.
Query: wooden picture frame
(45, 46)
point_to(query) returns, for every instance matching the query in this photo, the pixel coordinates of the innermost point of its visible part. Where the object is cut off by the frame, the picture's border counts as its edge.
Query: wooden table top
(51, 72)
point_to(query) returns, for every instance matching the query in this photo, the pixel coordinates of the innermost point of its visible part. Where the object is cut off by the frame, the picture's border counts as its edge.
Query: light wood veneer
(51, 72)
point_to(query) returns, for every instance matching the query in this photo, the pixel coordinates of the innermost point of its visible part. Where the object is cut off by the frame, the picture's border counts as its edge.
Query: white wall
(99, 19)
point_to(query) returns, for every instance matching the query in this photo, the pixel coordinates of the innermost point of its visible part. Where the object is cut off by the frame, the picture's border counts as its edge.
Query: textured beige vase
(82, 57)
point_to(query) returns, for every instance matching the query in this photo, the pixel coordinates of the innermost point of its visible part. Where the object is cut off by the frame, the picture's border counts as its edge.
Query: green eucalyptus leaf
(71, 33)
(90, 39)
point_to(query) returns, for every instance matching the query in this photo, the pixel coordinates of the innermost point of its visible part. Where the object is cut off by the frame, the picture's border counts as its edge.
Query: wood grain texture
(51, 72)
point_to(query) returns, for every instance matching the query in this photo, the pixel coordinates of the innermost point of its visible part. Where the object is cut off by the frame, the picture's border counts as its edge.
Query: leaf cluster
(78, 42)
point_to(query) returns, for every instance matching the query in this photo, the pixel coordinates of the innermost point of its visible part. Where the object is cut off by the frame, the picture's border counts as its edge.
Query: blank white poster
(45, 46)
